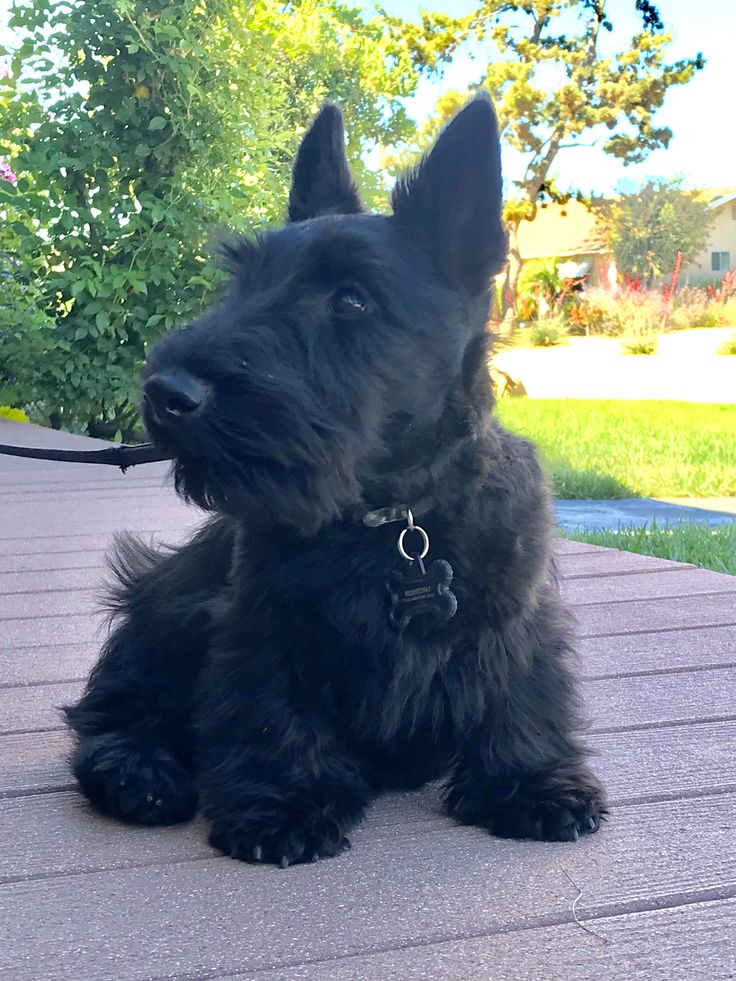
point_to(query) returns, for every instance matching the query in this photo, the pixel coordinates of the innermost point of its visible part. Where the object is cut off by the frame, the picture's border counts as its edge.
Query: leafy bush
(641, 345)
(157, 126)
(728, 313)
(548, 331)
(729, 346)
(640, 318)
(649, 227)
(27, 330)
(693, 307)
(526, 308)
(586, 317)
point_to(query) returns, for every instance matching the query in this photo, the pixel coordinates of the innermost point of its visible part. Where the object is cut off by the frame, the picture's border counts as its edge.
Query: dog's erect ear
(321, 183)
(452, 200)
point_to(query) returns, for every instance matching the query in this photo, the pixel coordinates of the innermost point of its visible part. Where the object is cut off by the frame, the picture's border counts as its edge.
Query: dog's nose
(174, 394)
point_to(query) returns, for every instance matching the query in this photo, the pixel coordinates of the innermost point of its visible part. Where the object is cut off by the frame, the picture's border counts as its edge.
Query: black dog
(289, 663)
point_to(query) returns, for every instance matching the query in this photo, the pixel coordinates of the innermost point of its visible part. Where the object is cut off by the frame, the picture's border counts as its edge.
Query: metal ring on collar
(425, 543)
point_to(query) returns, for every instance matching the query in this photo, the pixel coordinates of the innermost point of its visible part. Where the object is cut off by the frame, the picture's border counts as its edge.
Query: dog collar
(399, 512)
(384, 516)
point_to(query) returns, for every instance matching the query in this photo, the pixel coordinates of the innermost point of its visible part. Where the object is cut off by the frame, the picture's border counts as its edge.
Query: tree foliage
(555, 84)
(137, 127)
(650, 226)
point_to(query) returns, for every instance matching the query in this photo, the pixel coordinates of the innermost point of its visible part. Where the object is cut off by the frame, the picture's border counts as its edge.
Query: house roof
(724, 199)
(714, 197)
(560, 230)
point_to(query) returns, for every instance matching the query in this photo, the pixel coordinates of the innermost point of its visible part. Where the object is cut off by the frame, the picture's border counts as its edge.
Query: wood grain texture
(640, 616)
(630, 765)
(610, 562)
(651, 584)
(219, 916)
(57, 662)
(35, 708)
(693, 942)
(665, 650)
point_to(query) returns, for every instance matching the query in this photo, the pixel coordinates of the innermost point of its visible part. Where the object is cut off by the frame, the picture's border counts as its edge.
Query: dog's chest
(328, 601)
(391, 682)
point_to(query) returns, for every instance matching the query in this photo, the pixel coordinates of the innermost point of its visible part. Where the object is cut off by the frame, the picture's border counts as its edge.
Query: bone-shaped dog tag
(417, 590)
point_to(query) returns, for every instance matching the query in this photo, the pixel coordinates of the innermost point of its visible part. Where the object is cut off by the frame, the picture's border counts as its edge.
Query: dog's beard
(227, 470)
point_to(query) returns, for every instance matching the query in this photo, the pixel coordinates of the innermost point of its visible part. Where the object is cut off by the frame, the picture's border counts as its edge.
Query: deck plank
(612, 703)
(638, 616)
(643, 653)
(610, 562)
(54, 663)
(630, 764)
(390, 891)
(61, 597)
(647, 585)
(665, 650)
(697, 938)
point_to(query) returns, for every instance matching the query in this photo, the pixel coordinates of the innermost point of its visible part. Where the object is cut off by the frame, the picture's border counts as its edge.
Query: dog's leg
(276, 782)
(523, 774)
(133, 754)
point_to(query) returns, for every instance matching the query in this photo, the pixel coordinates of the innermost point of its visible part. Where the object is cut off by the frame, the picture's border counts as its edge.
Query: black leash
(122, 456)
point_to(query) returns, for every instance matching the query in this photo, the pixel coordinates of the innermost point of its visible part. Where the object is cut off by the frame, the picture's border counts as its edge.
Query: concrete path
(640, 511)
(686, 368)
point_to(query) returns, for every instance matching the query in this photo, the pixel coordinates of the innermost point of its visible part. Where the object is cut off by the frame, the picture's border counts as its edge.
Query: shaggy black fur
(254, 672)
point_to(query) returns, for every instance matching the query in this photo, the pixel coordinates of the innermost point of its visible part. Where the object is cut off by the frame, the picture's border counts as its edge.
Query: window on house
(720, 261)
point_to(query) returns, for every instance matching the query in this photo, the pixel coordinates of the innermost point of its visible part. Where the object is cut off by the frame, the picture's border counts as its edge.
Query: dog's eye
(348, 302)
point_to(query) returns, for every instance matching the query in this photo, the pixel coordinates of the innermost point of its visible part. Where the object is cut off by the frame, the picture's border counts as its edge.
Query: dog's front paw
(548, 818)
(560, 805)
(141, 784)
(279, 844)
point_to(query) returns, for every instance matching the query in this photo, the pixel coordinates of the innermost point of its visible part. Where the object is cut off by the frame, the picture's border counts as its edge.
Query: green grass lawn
(608, 449)
(710, 548)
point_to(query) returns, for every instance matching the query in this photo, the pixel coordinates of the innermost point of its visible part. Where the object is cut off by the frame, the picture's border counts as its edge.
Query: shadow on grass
(571, 483)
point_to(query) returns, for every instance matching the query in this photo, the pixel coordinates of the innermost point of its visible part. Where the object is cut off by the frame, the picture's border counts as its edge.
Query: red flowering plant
(726, 288)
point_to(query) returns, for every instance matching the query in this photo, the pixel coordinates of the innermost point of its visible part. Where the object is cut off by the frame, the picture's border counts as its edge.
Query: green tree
(555, 86)
(650, 226)
(137, 127)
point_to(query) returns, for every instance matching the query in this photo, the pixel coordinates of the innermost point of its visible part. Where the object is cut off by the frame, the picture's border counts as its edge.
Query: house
(575, 235)
(719, 255)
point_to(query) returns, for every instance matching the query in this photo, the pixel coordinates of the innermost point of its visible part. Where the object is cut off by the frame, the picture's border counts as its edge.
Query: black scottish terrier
(290, 662)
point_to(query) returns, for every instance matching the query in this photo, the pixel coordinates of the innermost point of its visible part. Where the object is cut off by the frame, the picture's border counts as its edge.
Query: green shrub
(585, 317)
(641, 345)
(728, 312)
(599, 313)
(548, 331)
(639, 318)
(159, 126)
(729, 346)
(27, 328)
(692, 307)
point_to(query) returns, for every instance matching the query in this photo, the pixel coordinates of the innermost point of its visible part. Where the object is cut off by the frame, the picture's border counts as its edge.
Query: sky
(702, 150)
(701, 113)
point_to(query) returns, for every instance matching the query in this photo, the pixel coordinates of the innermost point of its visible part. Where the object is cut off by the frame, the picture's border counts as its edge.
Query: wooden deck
(653, 896)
